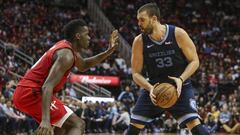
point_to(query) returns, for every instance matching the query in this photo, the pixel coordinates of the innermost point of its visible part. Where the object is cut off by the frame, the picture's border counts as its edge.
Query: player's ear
(154, 18)
(77, 36)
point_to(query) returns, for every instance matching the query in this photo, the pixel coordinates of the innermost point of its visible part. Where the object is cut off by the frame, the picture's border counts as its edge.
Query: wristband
(181, 78)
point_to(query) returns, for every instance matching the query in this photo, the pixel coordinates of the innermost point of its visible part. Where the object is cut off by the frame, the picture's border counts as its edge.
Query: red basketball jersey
(36, 76)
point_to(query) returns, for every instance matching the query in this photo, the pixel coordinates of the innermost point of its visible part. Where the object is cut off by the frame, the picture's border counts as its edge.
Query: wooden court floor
(140, 134)
(155, 134)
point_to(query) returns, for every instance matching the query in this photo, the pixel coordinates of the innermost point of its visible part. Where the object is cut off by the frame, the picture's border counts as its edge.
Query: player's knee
(200, 130)
(193, 123)
(81, 124)
(75, 122)
(134, 129)
(140, 126)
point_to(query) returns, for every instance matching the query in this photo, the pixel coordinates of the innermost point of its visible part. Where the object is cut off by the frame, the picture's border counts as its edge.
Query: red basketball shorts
(30, 102)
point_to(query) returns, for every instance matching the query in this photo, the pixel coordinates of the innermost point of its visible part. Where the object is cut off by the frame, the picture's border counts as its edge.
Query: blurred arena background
(29, 27)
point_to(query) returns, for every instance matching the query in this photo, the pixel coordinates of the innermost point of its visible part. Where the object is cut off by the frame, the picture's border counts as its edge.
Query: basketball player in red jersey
(34, 94)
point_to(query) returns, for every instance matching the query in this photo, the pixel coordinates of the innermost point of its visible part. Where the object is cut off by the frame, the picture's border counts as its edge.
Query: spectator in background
(100, 117)
(213, 87)
(89, 117)
(222, 101)
(229, 124)
(80, 108)
(170, 124)
(12, 117)
(70, 91)
(3, 78)
(8, 92)
(211, 123)
(225, 115)
(121, 121)
(3, 116)
(112, 110)
(126, 97)
(215, 113)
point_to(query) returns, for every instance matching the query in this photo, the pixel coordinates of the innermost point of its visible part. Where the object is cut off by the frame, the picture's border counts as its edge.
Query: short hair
(72, 27)
(151, 8)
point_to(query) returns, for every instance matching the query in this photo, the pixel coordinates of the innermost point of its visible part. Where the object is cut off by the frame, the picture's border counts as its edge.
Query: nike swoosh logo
(149, 46)
(168, 43)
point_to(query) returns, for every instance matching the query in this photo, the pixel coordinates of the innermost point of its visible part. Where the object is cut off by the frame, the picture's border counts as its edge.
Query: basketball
(166, 95)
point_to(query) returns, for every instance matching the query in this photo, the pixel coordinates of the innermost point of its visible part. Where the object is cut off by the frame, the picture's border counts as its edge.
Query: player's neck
(158, 32)
(75, 47)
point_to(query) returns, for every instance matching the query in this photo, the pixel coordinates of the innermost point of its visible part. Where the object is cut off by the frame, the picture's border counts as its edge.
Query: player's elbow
(195, 64)
(46, 89)
(198, 64)
(83, 67)
(134, 76)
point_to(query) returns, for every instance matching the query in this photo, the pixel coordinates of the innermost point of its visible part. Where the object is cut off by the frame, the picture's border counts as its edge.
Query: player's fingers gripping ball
(166, 95)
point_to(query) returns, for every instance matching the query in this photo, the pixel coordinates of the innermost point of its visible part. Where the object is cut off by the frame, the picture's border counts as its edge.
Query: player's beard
(148, 30)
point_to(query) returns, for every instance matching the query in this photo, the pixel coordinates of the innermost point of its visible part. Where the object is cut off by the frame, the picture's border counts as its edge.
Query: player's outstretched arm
(63, 62)
(85, 63)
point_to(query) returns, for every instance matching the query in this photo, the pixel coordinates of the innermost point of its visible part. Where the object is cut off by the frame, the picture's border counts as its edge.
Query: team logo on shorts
(193, 104)
(53, 106)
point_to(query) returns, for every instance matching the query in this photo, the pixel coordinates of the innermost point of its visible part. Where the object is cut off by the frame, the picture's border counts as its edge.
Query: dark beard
(148, 31)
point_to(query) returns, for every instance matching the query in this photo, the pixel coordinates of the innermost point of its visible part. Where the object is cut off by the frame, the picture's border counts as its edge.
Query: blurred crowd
(34, 26)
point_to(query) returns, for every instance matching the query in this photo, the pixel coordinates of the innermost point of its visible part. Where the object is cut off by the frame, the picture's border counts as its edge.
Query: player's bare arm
(137, 65)
(189, 50)
(85, 63)
(63, 62)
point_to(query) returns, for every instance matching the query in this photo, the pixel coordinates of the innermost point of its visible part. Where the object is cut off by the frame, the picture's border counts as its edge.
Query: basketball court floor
(140, 134)
(157, 134)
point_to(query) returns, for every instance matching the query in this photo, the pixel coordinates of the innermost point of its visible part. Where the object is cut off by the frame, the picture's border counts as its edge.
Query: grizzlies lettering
(161, 54)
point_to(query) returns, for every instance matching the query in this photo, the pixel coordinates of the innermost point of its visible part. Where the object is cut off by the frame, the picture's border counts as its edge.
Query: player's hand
(152, 96)
(44, 128)
(114, 40)
(179, 83)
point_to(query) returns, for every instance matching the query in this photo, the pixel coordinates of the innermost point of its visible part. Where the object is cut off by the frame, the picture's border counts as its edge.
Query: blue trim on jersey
(187, 116)
(164, 39)
(141, 118)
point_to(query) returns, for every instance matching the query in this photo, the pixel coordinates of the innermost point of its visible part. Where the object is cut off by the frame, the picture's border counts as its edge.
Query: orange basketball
(166, 95)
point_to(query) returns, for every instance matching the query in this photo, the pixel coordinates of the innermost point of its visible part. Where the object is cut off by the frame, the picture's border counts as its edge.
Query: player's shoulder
(180, 32)
(139, 36)
(64, 58)
(65, 54)
(138, 39)
(62, 44)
